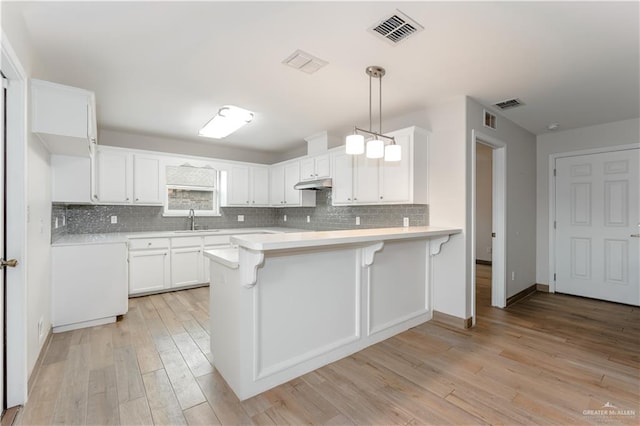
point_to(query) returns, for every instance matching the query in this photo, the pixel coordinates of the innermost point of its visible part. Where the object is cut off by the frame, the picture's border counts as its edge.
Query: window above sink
(191, 188)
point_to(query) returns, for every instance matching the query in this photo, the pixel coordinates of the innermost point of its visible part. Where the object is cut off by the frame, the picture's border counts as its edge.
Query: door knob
(11, 263)
(635, 235)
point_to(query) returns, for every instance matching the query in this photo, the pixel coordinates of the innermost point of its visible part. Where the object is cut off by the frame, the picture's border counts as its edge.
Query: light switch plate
(240, 218)
(284, 217)
(357, 220)
(405, 221)
(114, 219)
(308, 219)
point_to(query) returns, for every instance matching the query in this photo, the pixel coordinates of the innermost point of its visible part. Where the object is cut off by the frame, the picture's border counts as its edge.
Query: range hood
(314, 185)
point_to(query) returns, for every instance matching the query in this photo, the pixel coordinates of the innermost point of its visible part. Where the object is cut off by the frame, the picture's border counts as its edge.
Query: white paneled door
(597, 215)
(3, 138)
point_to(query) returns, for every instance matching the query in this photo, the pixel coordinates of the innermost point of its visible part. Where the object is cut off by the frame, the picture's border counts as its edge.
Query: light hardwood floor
(544, 360)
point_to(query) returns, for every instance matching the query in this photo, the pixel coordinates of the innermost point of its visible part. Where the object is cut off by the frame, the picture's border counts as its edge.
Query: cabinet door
(291, 177)
(114, 178)
(395, 176)
(148, 270)
(260, 186)
(366, 180)
(59, 110)
(307, 169)
(322, 167)
(342, 178)
(147, 185)
(238, 186)
(69, 183)
(186, 266)
(276, 186)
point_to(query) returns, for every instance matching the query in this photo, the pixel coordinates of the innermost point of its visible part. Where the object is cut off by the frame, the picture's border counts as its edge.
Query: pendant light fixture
(375, 147)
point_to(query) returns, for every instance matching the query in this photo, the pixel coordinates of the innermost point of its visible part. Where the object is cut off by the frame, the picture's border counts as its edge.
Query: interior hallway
(544, 360)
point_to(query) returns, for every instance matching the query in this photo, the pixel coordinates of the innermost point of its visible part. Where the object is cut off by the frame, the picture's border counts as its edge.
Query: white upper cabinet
(342, 191)
(148, 180)
(70, 182)
(283, 177)
(248, 186)
(125, 177)
(359, 180)
(317, 167)
(64, 118)
(114, 180)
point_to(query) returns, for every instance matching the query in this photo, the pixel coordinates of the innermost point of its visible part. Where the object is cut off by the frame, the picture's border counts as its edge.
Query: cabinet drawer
(186, 242)
(148, 243)
(213, 240)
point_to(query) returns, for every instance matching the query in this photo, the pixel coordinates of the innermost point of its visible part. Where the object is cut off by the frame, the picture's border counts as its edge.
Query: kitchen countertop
(264, 242)
(123, 237)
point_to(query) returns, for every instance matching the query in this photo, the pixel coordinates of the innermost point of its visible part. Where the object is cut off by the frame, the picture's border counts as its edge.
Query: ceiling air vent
(304, 62)
(396, 28)
(509, 103)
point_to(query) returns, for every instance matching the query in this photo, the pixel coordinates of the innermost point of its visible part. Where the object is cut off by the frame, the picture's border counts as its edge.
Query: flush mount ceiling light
(228, 119)
(375, 146)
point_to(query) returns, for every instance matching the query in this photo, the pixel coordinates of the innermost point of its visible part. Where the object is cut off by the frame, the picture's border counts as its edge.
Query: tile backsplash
(84, 219)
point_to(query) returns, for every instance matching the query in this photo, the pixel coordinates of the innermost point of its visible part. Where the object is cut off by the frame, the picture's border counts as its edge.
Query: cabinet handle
(381, 197)
(138, 199)
(355, 199)
(95, 197)
(247, 201)
(148, 244)
(348, 199)
(254, 201)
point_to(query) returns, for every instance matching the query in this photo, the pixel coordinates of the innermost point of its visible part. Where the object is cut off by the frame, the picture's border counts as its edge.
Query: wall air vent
(304, 62)
(489, 120)
(396, 28)
(509, 103)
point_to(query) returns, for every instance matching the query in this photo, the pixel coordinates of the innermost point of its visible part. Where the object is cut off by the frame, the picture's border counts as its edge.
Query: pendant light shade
(392, 153)
(375, 149)
(355, 144)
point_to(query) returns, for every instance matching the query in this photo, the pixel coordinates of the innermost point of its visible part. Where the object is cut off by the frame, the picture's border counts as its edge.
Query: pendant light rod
(357, 130)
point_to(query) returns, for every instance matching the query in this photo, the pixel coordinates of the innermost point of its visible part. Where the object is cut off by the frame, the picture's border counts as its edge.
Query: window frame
(185, 213)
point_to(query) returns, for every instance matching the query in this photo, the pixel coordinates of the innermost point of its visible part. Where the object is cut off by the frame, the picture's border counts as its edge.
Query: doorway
(484, 223)
(498, 151)
(15, 225)
(3, 144)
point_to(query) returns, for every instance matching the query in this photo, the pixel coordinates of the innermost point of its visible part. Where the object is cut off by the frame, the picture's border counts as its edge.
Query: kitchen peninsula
(283, 305)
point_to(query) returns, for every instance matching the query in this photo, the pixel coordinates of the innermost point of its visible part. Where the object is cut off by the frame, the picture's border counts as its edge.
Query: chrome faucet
(192, 216)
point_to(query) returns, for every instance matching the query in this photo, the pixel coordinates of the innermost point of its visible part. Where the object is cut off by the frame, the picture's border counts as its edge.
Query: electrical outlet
(56, 223)
(284, 217)
(357, 220)
(41, 329)
(405, 221)
(308, 219)
(114, 219)
(240, 218)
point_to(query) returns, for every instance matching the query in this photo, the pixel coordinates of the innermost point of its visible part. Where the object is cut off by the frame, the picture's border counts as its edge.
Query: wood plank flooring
(548, 359)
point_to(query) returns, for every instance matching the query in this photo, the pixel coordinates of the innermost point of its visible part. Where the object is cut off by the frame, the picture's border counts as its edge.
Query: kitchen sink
(195, 231)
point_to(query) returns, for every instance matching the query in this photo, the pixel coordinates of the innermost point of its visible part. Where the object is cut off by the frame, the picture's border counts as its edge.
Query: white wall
(175, 146)
(484, 200)
(447, 205)
(38, 247)
(600, 136)
(520, 197)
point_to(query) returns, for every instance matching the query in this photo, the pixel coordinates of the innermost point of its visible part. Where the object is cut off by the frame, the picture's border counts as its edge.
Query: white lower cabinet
(89, 285)
(149, 265)
(186, 261)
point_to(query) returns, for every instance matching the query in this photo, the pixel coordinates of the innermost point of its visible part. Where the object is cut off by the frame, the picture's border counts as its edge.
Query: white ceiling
(164, 68)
